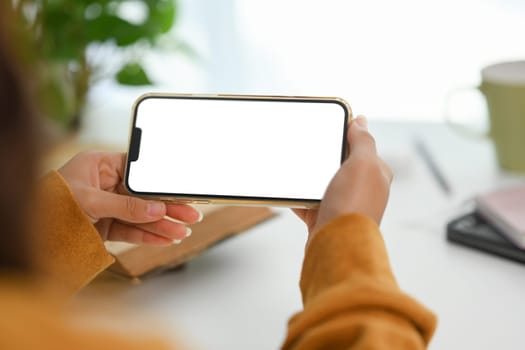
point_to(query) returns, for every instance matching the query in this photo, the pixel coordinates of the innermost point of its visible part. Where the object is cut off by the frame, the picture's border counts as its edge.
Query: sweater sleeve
(351, 298)
(70, 250)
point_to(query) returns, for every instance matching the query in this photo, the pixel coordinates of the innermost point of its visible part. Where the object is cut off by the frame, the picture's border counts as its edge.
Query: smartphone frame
(225, 199)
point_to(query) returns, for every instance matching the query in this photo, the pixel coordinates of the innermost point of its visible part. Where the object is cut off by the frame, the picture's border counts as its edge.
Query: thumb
(104, 204)
(359, 139)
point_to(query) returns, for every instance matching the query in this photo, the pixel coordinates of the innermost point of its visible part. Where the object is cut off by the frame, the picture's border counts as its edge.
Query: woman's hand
(361, 185)
(95, 179)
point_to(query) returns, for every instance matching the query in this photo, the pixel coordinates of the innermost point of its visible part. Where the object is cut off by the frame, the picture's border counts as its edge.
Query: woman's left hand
(95, 178)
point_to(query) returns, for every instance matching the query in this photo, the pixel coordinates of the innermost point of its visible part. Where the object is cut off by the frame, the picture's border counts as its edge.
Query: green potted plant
(79, 42)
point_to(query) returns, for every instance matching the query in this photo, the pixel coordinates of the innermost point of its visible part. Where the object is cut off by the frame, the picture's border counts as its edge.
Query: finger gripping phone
(235, 149)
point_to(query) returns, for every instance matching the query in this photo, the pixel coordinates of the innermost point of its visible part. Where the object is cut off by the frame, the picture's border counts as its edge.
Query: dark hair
(18, 149)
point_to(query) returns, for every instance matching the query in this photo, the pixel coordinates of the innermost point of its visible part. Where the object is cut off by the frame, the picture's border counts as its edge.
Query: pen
(428, 159)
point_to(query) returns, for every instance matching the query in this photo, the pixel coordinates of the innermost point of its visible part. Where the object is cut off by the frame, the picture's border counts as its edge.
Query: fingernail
(361, 121)
(169, 218)
(188, 231)
(201, 215)
(177, 241)
(155, 208)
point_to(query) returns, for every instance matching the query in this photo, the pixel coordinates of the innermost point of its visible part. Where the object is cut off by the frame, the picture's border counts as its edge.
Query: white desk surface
(240, 294)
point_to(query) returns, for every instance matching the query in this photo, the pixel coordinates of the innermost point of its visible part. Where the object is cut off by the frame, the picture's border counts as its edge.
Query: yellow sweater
(351, 299)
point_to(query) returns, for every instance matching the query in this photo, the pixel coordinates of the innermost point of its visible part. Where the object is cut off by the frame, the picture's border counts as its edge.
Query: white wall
(389, 59)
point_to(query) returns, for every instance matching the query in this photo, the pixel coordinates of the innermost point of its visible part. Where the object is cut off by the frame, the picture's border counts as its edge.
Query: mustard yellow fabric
(73, 253)
(351, 299)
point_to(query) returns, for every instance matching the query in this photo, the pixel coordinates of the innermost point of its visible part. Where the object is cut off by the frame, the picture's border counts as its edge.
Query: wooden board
(219, 223)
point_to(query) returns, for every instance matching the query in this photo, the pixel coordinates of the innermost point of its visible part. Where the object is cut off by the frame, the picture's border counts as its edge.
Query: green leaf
(56, 94)
(133, 74)
(109, 27)
(63, 36)
(161, 17)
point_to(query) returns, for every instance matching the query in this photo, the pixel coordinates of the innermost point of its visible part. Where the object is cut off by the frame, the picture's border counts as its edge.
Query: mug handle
(459, 127)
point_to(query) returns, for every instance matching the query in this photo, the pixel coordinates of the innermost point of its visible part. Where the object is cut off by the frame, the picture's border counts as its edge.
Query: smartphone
(236, 149)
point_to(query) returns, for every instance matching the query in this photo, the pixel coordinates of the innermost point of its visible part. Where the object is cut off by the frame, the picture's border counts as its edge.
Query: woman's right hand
(95, 179)
(361, 185)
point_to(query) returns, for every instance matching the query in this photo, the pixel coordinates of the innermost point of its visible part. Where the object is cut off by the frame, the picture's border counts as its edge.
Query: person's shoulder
(26, 312)
(34, 316)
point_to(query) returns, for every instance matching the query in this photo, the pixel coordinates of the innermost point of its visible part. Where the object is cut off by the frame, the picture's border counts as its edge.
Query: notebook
(473, 231)
(219, 223)
(505, 210)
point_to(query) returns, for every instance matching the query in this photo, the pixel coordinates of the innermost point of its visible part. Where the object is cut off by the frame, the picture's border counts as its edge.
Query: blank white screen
(269, 149)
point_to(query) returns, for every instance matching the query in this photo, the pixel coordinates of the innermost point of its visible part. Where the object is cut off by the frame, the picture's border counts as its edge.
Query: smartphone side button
(199, 201)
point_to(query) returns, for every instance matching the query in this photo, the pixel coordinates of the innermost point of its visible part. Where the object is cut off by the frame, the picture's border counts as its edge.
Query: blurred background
(394, 61)
(391, 60)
